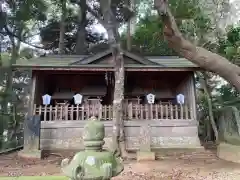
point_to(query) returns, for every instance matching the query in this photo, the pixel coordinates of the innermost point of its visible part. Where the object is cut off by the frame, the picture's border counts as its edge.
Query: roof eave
(106, 67)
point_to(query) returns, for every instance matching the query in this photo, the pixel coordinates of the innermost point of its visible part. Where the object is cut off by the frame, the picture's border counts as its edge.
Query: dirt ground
(184, 168)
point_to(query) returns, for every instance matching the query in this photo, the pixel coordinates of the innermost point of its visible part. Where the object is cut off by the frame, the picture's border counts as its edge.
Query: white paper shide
(180, 99)
(46, 99)
(150, 98)
(78, 98)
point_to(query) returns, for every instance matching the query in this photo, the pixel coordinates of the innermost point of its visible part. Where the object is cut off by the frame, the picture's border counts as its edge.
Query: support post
(145, 153)
(32, 125)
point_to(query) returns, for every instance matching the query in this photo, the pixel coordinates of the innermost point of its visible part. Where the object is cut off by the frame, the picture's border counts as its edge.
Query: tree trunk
(198, 55)
(111, 25)
(129, 38)
(118, 123)
(210, 107)
(14, 55)
(61, 44)
(81, 46)
(8, 92)
(130, 24)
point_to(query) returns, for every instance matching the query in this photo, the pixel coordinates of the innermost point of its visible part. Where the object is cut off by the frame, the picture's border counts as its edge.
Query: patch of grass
(35, 178)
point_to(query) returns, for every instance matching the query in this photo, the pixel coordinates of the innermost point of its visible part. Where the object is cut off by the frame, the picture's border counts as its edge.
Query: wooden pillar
(192, 91)
(32, 94)
(32, 125)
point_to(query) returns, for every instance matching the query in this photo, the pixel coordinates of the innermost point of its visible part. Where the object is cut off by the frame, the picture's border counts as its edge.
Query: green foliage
(226, 93)
(148, 38)
(27, 10)
(184, 9)
(193, 23)
(50, 34)
(5, 60)
(230, 47)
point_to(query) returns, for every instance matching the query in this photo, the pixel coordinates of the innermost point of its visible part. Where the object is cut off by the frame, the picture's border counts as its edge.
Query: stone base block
(146, 156)
(27, 154)
(229, 152)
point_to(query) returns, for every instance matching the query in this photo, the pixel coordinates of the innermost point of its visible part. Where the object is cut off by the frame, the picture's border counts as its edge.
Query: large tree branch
(198, 55)
(11, 34)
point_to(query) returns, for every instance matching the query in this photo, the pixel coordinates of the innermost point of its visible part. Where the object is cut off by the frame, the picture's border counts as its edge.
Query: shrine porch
(171, 126)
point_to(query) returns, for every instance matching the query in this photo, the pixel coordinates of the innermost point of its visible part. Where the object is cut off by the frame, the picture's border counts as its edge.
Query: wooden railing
(105, 112)
(82, 112)
(157, 111)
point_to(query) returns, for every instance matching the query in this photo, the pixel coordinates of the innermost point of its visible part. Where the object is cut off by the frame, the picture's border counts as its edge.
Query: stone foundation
(146, 156)
(37, 154)
(172, 134)
(229, 152)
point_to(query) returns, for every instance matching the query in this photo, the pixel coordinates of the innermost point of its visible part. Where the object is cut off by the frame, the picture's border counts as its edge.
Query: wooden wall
(187, 88)
(48, 83)
(40, 88)
(162, 84)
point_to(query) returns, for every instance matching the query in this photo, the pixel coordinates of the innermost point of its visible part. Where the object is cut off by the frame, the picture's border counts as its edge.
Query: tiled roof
(171, 61)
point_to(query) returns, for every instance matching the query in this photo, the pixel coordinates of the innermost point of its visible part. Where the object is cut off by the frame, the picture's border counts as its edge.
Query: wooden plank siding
(187, 88)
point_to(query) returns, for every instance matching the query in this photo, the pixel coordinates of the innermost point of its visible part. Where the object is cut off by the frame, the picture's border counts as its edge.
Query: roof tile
(69, 60)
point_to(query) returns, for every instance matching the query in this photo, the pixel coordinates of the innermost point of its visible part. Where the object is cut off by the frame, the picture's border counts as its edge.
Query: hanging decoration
(151, 98)
(180, 99)
(78, 99)
(46, 99)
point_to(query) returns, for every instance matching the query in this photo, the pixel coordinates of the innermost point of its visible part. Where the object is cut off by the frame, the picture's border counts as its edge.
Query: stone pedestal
(146, 156)
(229, 152)
(31, 149)
(145, 153)
(28, 154)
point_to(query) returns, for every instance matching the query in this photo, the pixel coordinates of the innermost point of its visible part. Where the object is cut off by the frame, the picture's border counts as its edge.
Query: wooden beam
(71, 69)
(82, 73)
(162, 69)
(111, 68)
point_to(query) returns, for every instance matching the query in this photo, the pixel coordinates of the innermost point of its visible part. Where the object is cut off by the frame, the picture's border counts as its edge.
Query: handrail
(131, 111)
